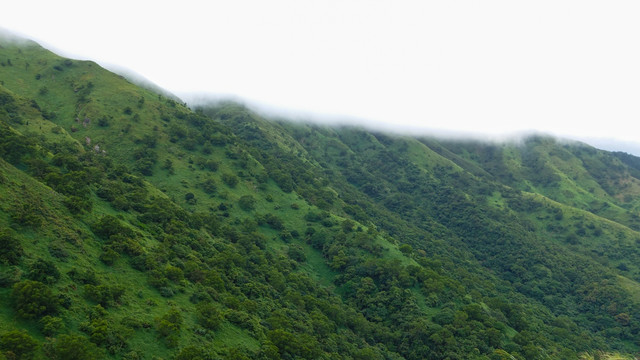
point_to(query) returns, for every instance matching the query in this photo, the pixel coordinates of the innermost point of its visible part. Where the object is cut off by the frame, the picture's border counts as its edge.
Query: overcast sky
(569, 68)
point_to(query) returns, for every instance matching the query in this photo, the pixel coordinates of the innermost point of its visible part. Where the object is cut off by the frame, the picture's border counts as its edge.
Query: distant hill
(133, 227)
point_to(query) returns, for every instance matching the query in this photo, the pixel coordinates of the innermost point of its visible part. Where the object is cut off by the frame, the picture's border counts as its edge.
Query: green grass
(459, 204)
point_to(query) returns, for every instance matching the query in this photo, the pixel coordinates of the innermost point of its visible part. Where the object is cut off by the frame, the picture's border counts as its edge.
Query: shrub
(43, 271)
(195, 353)
(18, 344)
(274, 222)
(208, 315)
(50, 115)
(58, 251)
(169, 326)
(33, 299)
(166, 291)
(247, 202)
(406, 249)
(296, 253)
(144, 166)
(312, 216)
(50, 325)
(10, 249)
(72, 347)
(168, 165)
(207, 149)
(285, 235)
(292, 346)
(10, 276)
(190, 198)
(109, 225)
(174, 273)
(230, 179)
(103, 121)
(109, 255)
(104, 295)
(209, 186)
(83, 277)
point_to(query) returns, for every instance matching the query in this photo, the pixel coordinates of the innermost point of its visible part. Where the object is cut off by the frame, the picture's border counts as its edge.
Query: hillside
(134, 227)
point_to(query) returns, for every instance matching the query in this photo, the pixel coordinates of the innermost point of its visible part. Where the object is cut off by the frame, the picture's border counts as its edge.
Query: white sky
(569, 68)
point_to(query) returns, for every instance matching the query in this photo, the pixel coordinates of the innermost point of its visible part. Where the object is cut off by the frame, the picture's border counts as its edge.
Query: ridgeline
(134, 227)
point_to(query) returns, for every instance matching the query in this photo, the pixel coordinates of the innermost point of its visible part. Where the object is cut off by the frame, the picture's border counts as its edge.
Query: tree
(10, 248)
(50, 325)
(208, 315)
(105, 295)
(209, 186)
(169, 326)
(247, 202)
(44, 271)
(230, 179)
(190, 198)
(290, 345)
(33, 299)
(194, 353)
(168, 165)
(18, 344)
(72, 347)
(296, 252)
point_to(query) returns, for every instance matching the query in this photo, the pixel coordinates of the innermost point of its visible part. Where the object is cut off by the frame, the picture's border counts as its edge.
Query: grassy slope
(597, 237)
(57, 86)
(350, 173)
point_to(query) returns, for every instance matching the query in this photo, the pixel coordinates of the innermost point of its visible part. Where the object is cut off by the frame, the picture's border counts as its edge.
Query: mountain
(134, 227)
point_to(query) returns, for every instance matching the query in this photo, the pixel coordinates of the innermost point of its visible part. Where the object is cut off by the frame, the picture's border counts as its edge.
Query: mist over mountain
(198, 100)
(135, 227)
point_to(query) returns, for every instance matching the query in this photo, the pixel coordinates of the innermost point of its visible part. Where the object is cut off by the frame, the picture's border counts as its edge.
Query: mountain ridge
(136, 228)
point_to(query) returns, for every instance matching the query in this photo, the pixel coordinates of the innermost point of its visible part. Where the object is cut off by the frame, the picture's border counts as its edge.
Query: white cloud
(564, 67)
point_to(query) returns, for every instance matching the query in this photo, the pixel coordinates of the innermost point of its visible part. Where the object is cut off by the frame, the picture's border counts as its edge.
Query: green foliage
(10, 248)
(296, 253)
(50, 325)
(109, 226)
(209, 186)
(417, 248)
(289, 345)
(33, 299)
(72, 347)
(210, 165)
(18, 344)
(195, 353)
(103, 332)
(209, 316)
(44, 271)
(168, 165)
(145, 160)
(230, 179)
(190, 198)
(105, 295)
(168, 327)
(10, 276)
(247, 202)
(273, 221)
(109, 255)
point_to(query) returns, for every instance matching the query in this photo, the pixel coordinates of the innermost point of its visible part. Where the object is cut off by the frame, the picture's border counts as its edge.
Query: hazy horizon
(482, 70)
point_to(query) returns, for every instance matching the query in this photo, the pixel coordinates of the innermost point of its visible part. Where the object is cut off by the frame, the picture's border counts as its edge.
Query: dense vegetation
(132, 227)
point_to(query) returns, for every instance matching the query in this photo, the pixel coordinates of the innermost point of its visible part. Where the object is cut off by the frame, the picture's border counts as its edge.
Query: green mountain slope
(132, 227)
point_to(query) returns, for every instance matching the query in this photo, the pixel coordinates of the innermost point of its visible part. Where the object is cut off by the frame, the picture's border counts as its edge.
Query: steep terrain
(132, 227)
